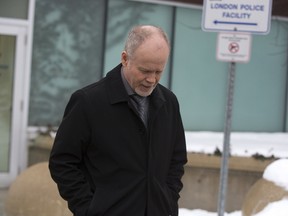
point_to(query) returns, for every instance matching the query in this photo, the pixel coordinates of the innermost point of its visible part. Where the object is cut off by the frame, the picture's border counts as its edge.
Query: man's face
(143, 70)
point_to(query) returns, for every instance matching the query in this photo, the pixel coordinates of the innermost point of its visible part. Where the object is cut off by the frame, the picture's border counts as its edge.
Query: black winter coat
(106, 163)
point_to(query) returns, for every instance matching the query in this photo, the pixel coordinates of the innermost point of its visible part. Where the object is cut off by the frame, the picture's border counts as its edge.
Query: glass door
(7, 48)
(12, 68)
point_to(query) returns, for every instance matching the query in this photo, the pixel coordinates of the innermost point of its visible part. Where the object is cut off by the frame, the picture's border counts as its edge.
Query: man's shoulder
(99, 85)
(96, 86)
(89, 90)
(165, 92)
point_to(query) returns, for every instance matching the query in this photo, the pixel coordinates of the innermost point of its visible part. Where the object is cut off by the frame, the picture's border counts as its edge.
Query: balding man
(120, 148)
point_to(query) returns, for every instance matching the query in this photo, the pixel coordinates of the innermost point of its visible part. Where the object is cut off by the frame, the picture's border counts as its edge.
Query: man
(112, 158)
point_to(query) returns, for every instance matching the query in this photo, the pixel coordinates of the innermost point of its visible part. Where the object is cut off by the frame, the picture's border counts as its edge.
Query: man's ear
(124, 58)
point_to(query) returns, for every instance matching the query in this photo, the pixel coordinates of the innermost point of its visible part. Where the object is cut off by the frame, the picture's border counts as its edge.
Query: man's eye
(144, 71)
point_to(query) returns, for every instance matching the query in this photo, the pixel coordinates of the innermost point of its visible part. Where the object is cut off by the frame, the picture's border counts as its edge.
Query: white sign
(251, 16)
(233, 47)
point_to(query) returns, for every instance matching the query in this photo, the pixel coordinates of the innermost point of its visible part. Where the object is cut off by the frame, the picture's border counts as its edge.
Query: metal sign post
(226, 146)
(241, 16)
(232, 47)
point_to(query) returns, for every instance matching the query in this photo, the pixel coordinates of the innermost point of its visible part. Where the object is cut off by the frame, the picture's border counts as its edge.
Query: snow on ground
(278, 208)
(277, 172)
(241, 144)
(198, 212)
(247, 145)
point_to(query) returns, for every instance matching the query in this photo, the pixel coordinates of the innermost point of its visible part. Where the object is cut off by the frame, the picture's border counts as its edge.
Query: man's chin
(144, 93)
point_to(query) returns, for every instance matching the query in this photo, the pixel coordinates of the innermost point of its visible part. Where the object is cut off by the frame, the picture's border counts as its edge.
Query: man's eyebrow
(144, 69)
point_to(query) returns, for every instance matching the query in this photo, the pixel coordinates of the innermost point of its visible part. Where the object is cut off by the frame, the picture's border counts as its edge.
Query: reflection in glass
(67, 55)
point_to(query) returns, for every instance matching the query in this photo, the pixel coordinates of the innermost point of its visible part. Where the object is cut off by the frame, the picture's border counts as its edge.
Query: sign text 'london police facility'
(237, 15)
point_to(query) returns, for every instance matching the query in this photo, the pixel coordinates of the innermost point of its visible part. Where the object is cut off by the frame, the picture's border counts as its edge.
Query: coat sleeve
(179, 159)
(66, 155)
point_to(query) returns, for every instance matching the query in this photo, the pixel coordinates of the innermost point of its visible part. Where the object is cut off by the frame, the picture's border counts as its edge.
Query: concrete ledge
(39, 149)
(202, 177)
(235, 163)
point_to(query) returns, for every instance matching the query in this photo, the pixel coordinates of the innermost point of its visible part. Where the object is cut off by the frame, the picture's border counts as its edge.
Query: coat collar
(117, 92)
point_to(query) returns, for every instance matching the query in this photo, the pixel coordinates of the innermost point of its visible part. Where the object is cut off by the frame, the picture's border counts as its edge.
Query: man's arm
(66, 156)
(179, 159)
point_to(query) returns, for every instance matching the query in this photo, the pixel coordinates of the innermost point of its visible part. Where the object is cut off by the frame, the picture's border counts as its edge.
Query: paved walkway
(3, 194)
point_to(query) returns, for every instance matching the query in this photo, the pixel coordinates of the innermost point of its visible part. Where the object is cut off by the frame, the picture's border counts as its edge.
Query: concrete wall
(202, 177)
(201, 187)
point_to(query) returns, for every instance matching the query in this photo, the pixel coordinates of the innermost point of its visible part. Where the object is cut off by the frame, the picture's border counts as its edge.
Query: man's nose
(151, 77)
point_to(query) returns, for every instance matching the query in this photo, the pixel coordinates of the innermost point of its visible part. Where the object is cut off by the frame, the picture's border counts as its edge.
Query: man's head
(144, 58)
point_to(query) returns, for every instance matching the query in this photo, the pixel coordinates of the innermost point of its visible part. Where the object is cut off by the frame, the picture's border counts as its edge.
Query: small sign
(233, 47)
(251, 16)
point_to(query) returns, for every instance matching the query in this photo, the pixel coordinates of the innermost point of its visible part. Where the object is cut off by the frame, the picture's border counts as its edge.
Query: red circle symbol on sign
(233, 47)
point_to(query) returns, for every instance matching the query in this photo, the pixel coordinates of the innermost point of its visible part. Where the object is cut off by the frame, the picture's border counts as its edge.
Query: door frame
(23, 31)
(17, 103)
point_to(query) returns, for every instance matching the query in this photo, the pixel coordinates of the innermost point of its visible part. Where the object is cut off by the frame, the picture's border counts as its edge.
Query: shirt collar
(126, 84)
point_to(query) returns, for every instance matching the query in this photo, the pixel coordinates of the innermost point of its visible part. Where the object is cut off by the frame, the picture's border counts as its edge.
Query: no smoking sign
(233, 47)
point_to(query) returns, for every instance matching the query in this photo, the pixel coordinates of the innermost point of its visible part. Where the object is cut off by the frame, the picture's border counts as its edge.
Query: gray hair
(139, 34)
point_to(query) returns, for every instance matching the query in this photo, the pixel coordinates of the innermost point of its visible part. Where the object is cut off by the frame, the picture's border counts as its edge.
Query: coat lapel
(157, 100)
